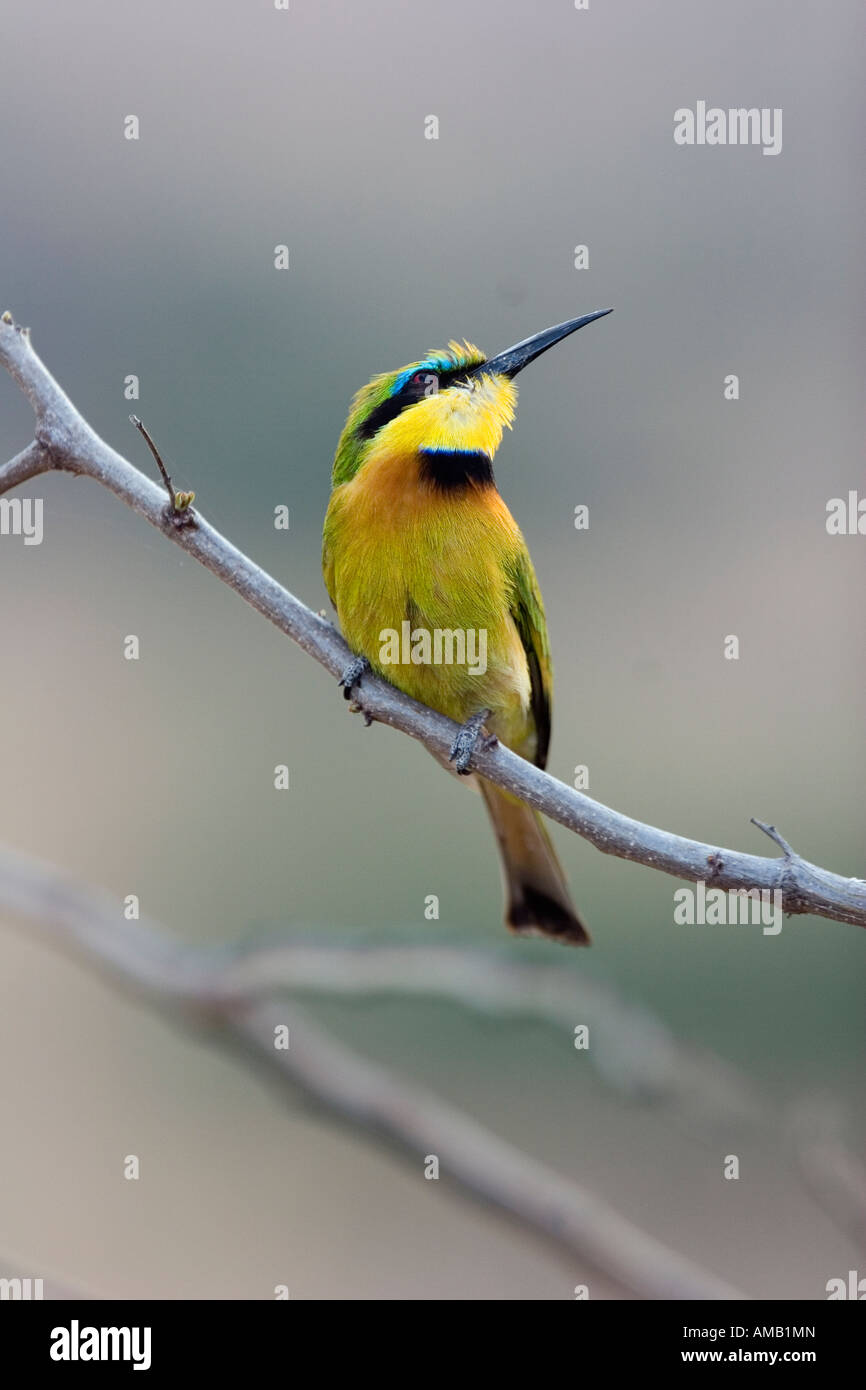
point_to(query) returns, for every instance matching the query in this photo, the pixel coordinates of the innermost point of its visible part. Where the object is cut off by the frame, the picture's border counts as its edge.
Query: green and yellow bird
(421, 557)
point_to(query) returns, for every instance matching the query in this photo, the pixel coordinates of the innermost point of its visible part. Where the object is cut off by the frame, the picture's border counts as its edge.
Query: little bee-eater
(434, 587)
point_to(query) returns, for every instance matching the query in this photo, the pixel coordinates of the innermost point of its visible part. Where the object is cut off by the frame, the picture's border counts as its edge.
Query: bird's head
(447, 411)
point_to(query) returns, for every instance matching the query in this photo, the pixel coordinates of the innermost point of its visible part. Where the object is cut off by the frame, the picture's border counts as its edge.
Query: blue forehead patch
(453, 358)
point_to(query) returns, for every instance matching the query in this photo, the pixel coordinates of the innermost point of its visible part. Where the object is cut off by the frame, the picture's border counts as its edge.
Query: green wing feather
(328, 563)
(527, 610)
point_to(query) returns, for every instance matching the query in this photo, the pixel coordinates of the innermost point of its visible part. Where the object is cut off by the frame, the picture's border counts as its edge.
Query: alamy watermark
(702, 906)
(77, 1343)
(444, 646)
(21, 1289)
(737, 126)
(22, 516)
(846, 517)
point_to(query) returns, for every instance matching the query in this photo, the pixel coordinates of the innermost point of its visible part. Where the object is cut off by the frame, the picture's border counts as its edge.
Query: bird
(418, 541)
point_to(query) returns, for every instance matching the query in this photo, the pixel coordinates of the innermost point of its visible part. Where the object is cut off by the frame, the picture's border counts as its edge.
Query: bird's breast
(404, 549)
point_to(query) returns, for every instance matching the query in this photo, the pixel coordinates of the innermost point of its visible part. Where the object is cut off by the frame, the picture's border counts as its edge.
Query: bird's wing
(328, 561)
(527, 610)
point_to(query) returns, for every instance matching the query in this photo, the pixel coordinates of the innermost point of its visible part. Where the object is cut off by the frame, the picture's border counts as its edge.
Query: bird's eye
(425, 383)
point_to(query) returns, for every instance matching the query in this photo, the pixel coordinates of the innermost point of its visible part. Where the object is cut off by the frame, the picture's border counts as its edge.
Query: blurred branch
(834, 1175)
(51, 1288)
(632, 1049)
(181, 981)
(64, 441)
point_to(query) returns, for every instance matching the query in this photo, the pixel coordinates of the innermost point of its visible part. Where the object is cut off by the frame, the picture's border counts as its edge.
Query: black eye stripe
(382, 415)
(414, 391)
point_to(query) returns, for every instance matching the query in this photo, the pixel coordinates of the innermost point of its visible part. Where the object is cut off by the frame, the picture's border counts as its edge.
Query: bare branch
(64, 437)
(28, 464)
(632, 1049)
(180, 981)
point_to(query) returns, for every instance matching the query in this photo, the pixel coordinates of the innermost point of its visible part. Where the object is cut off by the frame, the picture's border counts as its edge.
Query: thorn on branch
(775, 836)
(180, 503)
(791, 898)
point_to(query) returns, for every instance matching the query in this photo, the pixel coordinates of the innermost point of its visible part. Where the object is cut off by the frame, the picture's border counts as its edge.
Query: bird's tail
(538, 899)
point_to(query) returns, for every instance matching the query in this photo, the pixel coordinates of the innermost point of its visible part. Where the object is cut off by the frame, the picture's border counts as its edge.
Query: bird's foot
(352, 675)
(350, 680)
(469, 738)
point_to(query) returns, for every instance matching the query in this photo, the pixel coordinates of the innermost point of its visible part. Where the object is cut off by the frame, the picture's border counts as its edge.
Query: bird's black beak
(514, 359)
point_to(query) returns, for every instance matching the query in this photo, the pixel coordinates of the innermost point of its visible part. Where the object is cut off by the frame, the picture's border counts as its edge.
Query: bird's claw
(351, 677)
(467, 740)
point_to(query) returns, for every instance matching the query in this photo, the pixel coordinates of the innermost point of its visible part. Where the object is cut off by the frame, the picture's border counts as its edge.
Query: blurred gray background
(155, 257)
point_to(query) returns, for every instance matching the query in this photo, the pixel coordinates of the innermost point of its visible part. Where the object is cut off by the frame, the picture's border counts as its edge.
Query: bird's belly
(425, 598)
